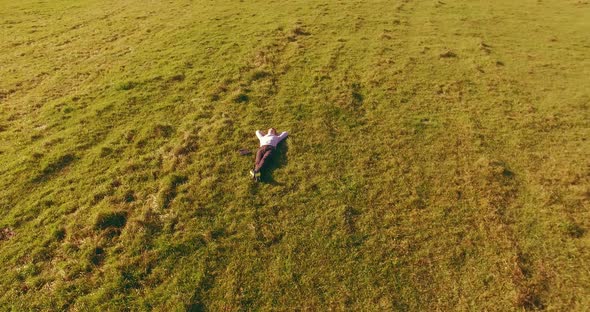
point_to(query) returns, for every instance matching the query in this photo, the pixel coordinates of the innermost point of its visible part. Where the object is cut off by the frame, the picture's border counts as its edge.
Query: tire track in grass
(530, 277)
(249, 93)
(493, 188)
(391, 237)
(342, 92)
(348, 89)
(527, 288)
(263, 71)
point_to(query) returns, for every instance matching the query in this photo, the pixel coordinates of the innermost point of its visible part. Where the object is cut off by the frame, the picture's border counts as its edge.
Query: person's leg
(266, 154)
(259, 154)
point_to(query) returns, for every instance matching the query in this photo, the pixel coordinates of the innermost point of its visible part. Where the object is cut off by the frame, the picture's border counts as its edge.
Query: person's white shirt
(270, 139)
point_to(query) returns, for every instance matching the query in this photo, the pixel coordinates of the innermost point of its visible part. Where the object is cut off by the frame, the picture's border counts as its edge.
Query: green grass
(437, 160)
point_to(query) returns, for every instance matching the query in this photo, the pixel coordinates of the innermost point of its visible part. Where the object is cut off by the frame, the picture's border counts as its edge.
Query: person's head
(272, 131)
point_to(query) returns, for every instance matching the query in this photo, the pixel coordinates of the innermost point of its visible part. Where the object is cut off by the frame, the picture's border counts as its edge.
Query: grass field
(438, 157)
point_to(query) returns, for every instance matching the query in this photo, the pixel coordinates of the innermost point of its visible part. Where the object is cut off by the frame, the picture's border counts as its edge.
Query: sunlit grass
(437, 157)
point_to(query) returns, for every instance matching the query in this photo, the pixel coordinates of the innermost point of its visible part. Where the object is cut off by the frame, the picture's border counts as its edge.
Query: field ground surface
(438, 157)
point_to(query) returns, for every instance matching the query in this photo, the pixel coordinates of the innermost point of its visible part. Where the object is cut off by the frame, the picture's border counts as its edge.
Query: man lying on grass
(268, 143)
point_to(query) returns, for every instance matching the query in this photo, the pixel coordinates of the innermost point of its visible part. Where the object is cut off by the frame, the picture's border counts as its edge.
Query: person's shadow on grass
(277, 160)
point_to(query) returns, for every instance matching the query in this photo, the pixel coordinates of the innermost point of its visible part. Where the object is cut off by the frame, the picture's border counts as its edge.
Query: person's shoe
(255, 175)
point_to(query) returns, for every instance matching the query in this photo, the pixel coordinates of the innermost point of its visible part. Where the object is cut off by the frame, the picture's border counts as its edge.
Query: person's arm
(259, 134)
(283, 135)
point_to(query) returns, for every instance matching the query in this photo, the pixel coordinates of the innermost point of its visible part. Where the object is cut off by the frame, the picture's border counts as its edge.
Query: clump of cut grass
(163, 130)
(54, 166)
(37, 155)
(101, 192)
(296, 32)
(130, 277)
(125, 86)
(573, 229)
(221, 89)
(59, 234)
(168, 189)
(105, 151)
(177, 78)
(258, 74)
(96, 255)
(130, 135)
(240, 97)
(112, 219)
(300, 31)
(129, 196)
(448, 54)
(188, 145)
